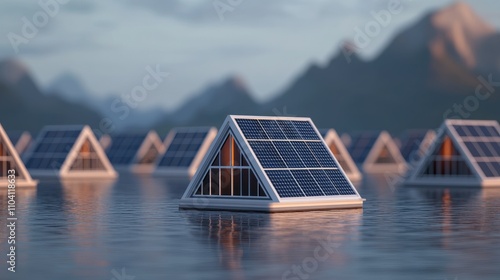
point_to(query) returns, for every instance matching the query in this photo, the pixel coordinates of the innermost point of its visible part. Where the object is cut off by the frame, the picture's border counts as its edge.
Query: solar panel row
(361, 145)
(477, 130)
(484, 146)
(277, 129)
(308, 183)
(295, 158)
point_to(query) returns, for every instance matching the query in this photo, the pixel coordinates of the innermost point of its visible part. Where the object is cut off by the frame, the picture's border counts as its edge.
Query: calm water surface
(133, 228)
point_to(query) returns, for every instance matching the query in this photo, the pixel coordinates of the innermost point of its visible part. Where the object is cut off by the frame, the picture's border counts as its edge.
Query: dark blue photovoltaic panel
(305, 154)
(289, 129)
(410, 145)
(361, 145)
(307, 183)
(476, 130)
(184, 147)
(124, 147)
(52, 148)
(251, 129)
(490, 169)
(324, 182)
(306, 130)
(322, 154)
(287, 152)
(340, 182)
(295, 158)
(267, 154)
(284, 183)
(272, 129)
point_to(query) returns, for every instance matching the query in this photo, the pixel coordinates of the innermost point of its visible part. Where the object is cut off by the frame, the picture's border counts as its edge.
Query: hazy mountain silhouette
(24, 107)
(425, 73)
(211, 106)
(422, 73)
(69, 87)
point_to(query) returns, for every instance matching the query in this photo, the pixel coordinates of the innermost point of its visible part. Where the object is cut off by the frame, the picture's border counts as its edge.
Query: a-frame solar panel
(465, 153)
(290, 160)
(68, 151)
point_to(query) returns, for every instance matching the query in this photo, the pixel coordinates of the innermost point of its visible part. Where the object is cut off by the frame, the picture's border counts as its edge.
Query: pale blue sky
(108, 44)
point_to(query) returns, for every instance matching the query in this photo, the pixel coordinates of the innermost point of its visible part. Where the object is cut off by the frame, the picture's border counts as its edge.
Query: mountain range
(438, 67)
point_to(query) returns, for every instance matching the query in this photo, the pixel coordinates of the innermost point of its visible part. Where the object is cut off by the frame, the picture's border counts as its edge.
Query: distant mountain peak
(11, 71)
(455, 31)
(460, 19)
(235, 81)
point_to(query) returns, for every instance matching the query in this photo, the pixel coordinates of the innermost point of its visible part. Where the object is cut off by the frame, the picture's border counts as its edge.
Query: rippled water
(133, 227)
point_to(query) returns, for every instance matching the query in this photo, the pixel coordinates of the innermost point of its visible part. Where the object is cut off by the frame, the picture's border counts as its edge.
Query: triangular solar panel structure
(464, 153)
(135, 152)
(185, 147)
(70, 152)
(11, 164)
(340, 152)
(21, 140)
(376, 152)
(269, 164)
(414, 143)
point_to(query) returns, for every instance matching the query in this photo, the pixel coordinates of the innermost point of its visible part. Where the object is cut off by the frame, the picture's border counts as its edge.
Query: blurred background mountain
(421, 75)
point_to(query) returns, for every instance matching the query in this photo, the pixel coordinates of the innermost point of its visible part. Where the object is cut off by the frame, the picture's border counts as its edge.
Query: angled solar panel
(185, 147)
(465, 152)
(135, 152)
(68, 151)
(361, 144)
(414, 143)
(292, 166)
(123, 148)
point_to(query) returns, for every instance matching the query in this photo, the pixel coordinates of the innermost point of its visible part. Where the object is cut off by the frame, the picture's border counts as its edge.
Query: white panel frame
(21, 168)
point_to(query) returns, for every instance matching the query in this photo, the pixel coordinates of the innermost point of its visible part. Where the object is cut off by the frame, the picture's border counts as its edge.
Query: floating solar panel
(185, 148)
(376, 152)
(68, 151)
(340, 152)
(135, 152)
(12, 168)
(465, 153)
(289, 160)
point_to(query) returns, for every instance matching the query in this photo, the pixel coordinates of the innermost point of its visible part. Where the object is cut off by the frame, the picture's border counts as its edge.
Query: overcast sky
(108, 44)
